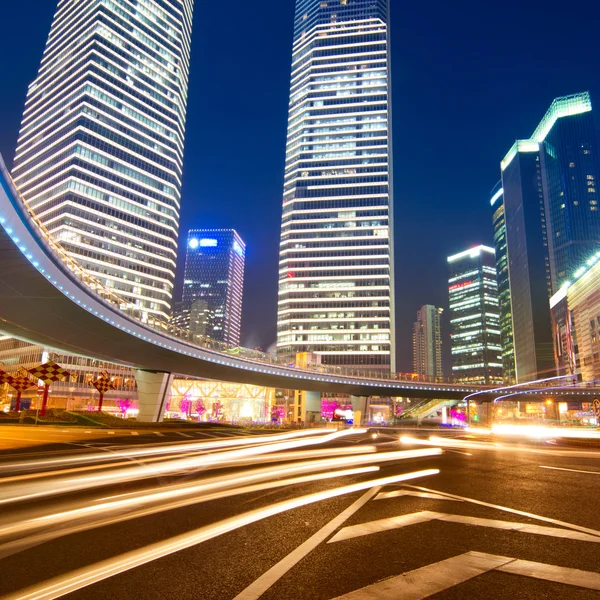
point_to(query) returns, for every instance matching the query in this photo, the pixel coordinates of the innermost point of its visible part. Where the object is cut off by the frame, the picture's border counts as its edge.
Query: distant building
(576, 323)
(506, 324)
(550, 184)
(214, 274)
(475, 317)
(196, 317)
(427, 342)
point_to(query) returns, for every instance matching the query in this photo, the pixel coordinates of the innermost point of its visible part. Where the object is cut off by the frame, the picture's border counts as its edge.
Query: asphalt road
(249, 519)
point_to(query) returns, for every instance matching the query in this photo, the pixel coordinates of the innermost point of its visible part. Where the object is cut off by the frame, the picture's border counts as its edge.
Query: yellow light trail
(81, 578)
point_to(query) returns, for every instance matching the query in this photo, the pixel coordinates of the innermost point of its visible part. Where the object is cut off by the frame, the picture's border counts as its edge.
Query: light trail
(11, 493)
(146, 502)
(280, 456)
(76, 580)
(161, 449)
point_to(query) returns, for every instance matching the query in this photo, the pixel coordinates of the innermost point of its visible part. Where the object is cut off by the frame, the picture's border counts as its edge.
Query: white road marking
(158, 433)
(575, 577)
(75, 580)
(87, 432)
(513, 511)
(432, 579)
(571, 470)
(111, 432)
(266, 580)
(399, 493)
(135, 433)
(183, 434)
(425, 516)
(459, 452)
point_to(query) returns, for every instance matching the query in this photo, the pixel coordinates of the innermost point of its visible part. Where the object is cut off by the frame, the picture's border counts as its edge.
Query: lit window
(572, 165)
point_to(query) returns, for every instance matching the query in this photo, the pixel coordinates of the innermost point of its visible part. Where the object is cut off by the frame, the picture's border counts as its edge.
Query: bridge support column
(311, 412)
(360, 405)
(484, 414)
(154, 390)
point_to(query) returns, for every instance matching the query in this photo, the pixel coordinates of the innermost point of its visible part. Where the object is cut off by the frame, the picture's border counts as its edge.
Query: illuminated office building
(427, 342)
(475, 317)
(506, 325)
(552, 222)
(576, 323)
(214, 275)
(336, 263)
(100, 152)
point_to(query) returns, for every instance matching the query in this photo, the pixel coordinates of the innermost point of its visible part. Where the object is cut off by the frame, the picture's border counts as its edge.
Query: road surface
(302, 515)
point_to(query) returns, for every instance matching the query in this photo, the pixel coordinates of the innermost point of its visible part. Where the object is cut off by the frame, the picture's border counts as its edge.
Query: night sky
(469, 77)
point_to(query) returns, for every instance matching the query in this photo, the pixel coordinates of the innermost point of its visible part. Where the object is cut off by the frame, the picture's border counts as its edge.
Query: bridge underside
(43, 303)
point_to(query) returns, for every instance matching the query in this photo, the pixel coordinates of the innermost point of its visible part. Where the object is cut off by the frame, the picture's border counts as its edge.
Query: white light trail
(76, 580)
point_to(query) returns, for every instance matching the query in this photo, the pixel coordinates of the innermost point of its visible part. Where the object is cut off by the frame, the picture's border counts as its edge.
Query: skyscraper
(100, 150)
(336, 254)
(506, 324)
(214, 274)
(427, 342)
(552, 222)
(475, 317)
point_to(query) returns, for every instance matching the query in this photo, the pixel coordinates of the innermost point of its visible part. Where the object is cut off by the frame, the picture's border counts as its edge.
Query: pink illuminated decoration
(124, 404)
(200, 407)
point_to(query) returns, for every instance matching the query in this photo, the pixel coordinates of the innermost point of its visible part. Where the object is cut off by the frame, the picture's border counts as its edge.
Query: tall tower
(336, 292)
(475, 317)
(427, 342)
(100, 150)
(214, 283)
(506, 323)
(552, 222)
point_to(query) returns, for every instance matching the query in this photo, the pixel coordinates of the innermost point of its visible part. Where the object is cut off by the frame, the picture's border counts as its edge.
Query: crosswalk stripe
(423, 517)
(433, 579)
(158, 433)
(585, 579)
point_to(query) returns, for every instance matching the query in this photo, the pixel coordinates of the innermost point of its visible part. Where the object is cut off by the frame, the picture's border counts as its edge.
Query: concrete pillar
(360, 407)
(154, 390)
(311, 412)
(484, 415)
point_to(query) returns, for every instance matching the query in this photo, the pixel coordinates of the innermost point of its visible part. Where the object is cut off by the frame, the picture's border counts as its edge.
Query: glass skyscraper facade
(427, 342)
(552, 222)
(475, 317)
(100, 152)
(506, 324)
(213, 284)
(336, 253)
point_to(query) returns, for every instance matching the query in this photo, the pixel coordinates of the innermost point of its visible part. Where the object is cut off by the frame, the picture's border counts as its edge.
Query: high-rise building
(214, 274)
(576, 323)
(475, 317)
(506, 325)
(336, 254)
(427, 342)
(552, 222)
(100, 150)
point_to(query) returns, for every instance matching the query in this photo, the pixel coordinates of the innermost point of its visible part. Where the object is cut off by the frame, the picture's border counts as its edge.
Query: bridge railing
(163, 327)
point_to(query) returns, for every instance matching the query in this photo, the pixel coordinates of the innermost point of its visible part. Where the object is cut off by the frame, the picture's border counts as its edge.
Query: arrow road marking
(513, 511)
(399, 493)
(432, 579)
(425, 516)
